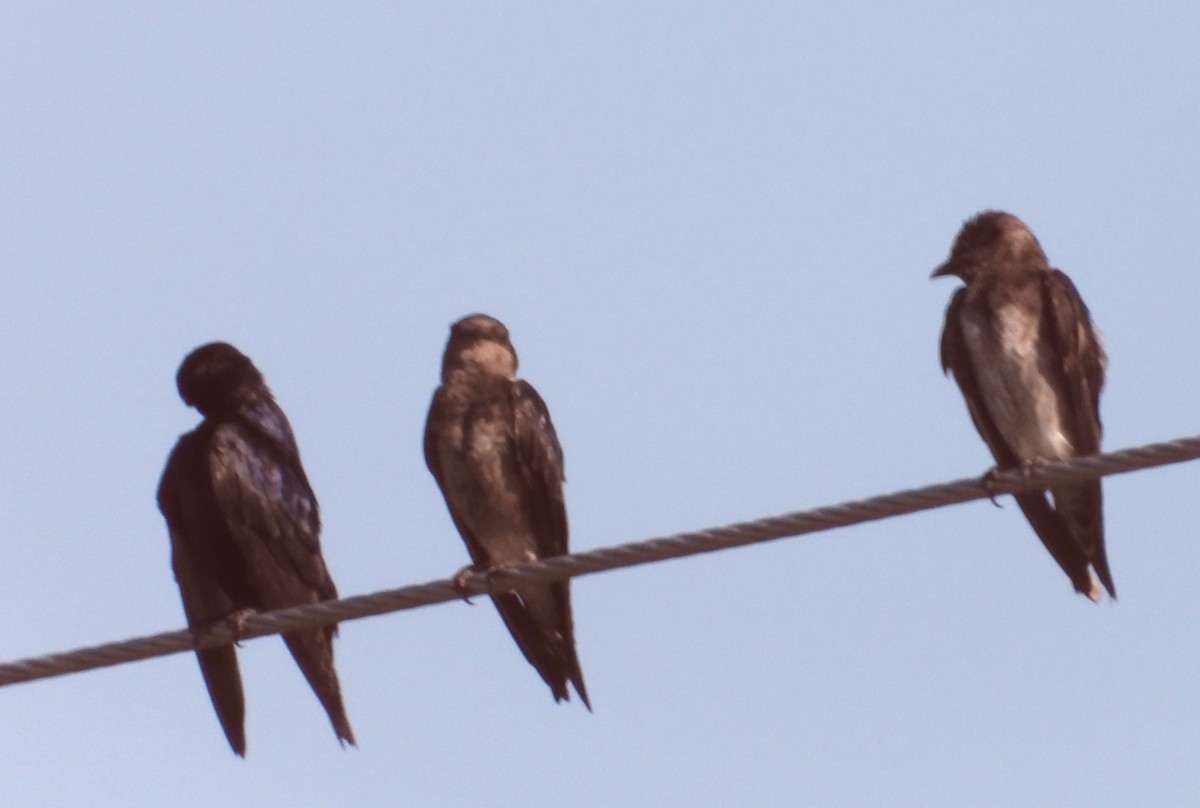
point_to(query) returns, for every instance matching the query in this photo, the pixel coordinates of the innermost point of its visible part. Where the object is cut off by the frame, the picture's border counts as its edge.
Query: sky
(709, 229)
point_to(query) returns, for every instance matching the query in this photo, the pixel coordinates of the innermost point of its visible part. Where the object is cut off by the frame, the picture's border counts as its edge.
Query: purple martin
(491, 447)
(244, 528)
(1020, 343)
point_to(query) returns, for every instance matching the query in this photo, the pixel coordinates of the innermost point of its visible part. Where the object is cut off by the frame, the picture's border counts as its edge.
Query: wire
(608, 558)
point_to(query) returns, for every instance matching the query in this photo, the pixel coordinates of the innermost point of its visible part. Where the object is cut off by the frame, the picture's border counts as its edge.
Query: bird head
(217, 378)
(988, 240)
(479, 343)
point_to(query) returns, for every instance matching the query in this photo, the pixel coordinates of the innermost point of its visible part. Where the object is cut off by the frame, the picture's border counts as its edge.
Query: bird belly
(484, 492)
(1019, 394)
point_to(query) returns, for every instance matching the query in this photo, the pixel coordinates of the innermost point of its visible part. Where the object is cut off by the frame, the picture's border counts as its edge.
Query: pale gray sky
(709, 229)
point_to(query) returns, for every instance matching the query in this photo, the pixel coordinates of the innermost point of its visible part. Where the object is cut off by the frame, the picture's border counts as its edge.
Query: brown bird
(1020, 343)
(492, 449)
(244, 528)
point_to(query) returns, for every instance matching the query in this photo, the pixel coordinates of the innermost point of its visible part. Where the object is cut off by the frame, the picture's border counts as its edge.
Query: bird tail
(539, 620)
(1082, 508)
(219, 667)
(1054, 532)
(313, 651)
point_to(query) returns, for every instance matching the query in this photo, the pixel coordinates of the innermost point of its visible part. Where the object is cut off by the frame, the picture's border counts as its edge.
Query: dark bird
(244, 528)
(492, 449)
(1020, 343)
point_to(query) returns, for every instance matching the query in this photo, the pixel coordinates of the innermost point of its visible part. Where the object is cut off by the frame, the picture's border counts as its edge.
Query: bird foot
(236, 620)
(459, 581)
(988, 481)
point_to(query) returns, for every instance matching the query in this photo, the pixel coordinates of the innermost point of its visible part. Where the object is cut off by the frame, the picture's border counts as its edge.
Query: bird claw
(988, 481)
(459, 582)
(236, 620)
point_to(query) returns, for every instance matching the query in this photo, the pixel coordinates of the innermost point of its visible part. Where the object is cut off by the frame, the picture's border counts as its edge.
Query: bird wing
(1082, 357)
(540, 458)
(184, 498)
(270, 510)
(956, 359)
(1083, 363)
(433, 424)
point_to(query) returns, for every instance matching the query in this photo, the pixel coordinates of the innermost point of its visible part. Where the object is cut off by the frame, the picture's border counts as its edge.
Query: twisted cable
(609, 558)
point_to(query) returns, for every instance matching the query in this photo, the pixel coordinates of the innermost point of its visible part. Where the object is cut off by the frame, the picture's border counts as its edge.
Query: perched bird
(1020, 343)
(244, 528)
(491, 447)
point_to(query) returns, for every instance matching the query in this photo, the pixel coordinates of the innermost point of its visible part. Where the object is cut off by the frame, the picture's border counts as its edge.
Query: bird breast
(485, 489)
(1016, 381)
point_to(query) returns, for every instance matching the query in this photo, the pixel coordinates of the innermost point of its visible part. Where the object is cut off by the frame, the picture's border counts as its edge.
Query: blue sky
(709, 229)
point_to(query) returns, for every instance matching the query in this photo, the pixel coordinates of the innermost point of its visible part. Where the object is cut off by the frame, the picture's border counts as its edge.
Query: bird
(492, 449)
(1019, 341)
(244, 526)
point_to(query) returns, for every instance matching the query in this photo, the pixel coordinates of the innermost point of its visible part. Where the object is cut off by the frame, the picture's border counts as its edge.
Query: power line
(609, 558)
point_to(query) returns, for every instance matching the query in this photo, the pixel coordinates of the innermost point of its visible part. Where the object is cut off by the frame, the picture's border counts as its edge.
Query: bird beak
(942, 271)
